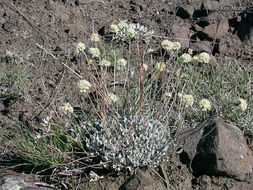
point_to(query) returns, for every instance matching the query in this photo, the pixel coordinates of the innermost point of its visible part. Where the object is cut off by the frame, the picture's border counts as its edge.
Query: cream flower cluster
(105, 63)
(205, 104)
(83, 85)
(94, 52)
(121, 62)
(168, 45)
(187, 99)
(80, 47)
(124, 32)
(67, 108)
(111, 98)
(243, 104)
(160, 66)
(201, 58)
(94, 37)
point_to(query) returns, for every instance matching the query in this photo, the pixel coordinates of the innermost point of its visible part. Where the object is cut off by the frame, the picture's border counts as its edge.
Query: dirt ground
(33, 31)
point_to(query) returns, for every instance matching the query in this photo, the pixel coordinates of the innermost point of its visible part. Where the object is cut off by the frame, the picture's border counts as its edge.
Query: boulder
(217, 147)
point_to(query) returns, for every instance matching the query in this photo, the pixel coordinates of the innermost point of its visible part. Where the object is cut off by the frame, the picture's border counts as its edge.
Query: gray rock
(243, 186)
(20, 182)
(182, 34)
(185, 11)
(202, 46)
(217, 147)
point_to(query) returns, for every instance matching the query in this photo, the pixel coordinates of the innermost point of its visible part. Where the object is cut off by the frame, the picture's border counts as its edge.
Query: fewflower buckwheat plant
(185, 58)
(167, 45)
(205, 105)
(145, 67)
(243, 104)
(84, 86)
(94, 37)
(80, 47)
(94, 52)
(67, 108)
(204, 57)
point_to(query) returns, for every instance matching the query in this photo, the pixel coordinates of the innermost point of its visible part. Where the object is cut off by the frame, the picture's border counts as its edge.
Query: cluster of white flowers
(94, 52)
(187, 99)
(145, 67)
(111, 98)
(83, 86)
(125, 32)
(185, 58)
(201, 58)
(121, 62)
(94, 37)
(105, 63)
(160, 66)
(67, 108)
(168, 45)
(80, 47)
(243, 104)
(205, 104)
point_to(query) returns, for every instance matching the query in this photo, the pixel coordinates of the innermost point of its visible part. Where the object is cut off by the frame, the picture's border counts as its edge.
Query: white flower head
(188, 100)
(45, 121)
(83, 85)
(122, 24)
(205, 105)
(150, 50)
(195, 60)
(243, 104)
(145, 67)
(167, 95)
(67, 108)
(111, 98)
(176, 46)
(105, 63)
(94, 37)
(204, 57)
(160, 66)
(114, 28)
(94, 52)
(121, 62)
(185, 58)
(190, 51)
(80, 47)
(131, 32)
(167, 45)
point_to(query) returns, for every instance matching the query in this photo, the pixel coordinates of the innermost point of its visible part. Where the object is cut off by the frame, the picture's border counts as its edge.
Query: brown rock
(185, 11)
(222, 47)
(202, 46)
(217, 30)
(182, 34)
(145, 179)
(132, 184)
(243, 186)
(217, 147)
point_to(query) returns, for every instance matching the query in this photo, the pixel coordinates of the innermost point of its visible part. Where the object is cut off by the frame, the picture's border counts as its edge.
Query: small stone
(210, 5)
(145, 179)
(202, 46)
(132, 184)
(10, 26)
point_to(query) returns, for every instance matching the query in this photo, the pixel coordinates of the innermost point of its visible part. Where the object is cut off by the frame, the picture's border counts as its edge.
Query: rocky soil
(33, 31)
